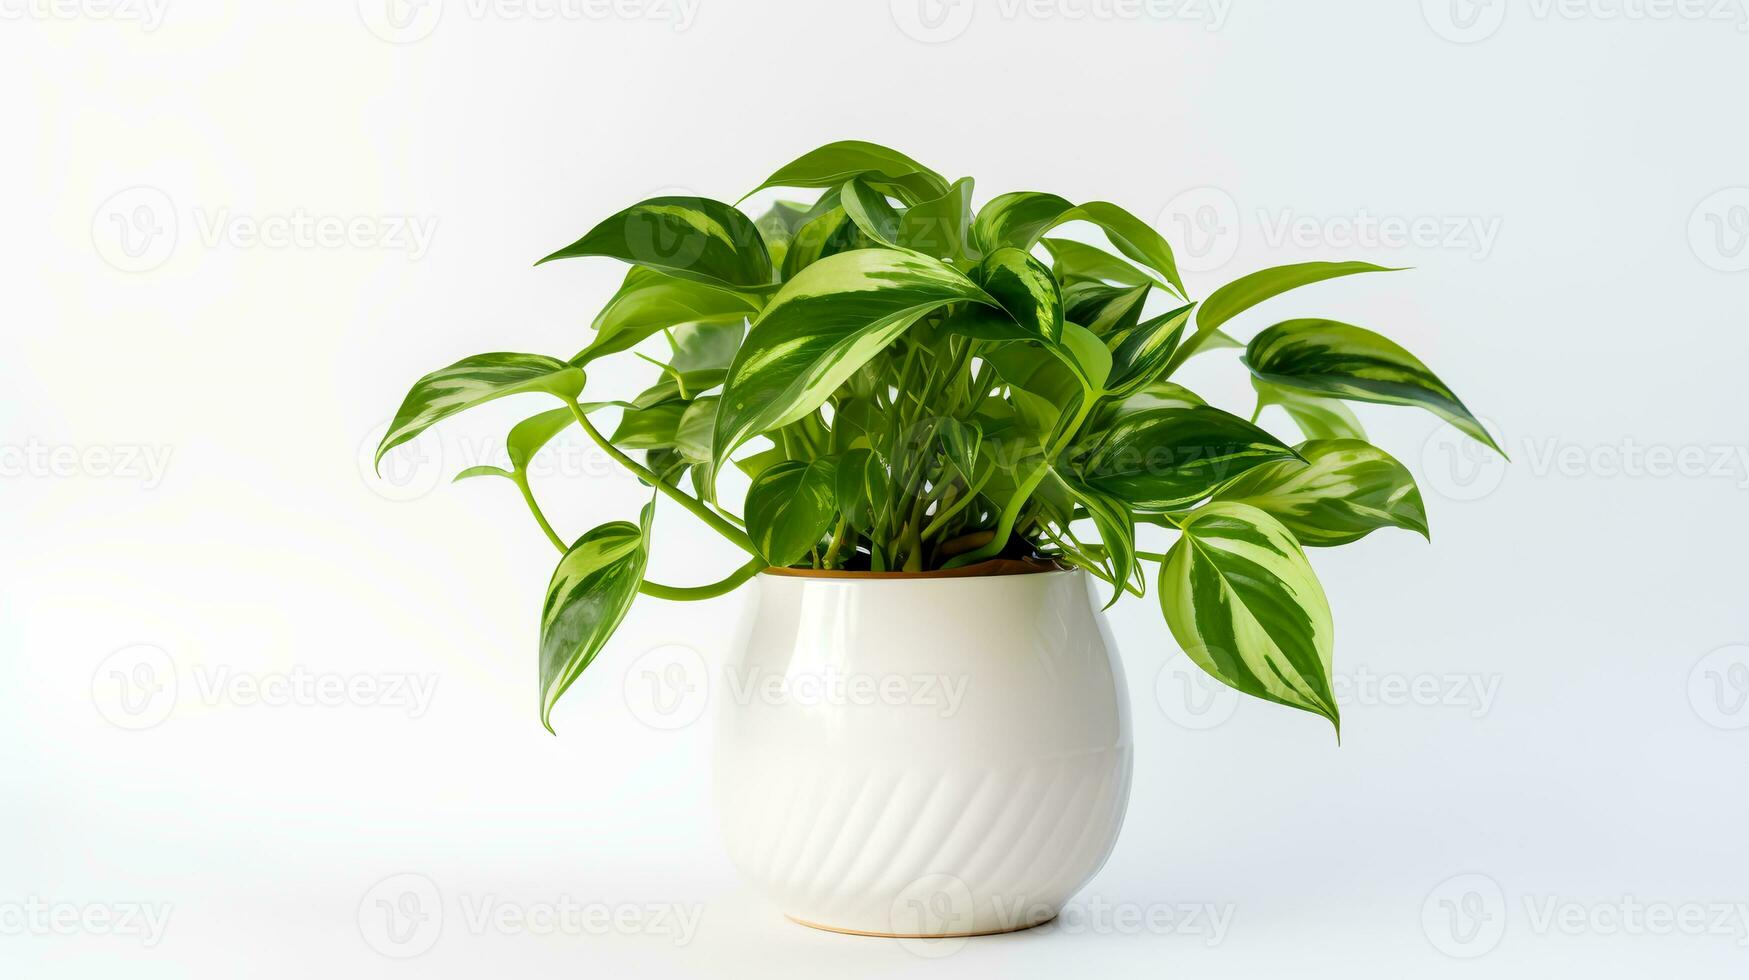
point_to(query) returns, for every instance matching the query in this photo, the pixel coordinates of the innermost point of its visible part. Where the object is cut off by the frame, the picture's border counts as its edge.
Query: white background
(1545, 712)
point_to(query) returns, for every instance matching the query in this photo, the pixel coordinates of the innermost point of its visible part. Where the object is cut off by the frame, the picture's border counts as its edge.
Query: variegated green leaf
(829, 233)
(1021, 218)
(1072, 260)
(1344, 490)
(649, 301)
(1243, 293)
(1139, 355)
(879, 166)
(589, 594)
(961, 441)
(649, 428)
(790, 507)
(690, 237)
(1317, 417)
(871, 211)
(821, 327)
(940, 227)
(1116, 526)
(860, 487)
(704, 346)
(1344, 361)
(1026, 291)
(1167, 459)
(692, 437)
(1103, 309)
(474, 381)
(1243, 603)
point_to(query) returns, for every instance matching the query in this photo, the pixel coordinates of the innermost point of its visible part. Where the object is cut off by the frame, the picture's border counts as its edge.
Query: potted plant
(948, 424)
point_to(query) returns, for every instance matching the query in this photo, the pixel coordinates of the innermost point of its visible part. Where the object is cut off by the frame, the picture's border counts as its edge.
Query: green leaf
(830, 233)
(589, 594)
(474, 381)
(962, 440)
(649, 428)
(821, 327)
(1088, 356)
(879, 166)
(1242, 601)
(1026, 290)
(1021, 218)
(1103, 309)
(1343, 491)
(476, 471)
(1241, 294)
(532, 434)
(789, 509)
(940, 227)
(692, 436)
(649, 301)
(704, 346)
(1139, 356)
(1072, 260)
(1166, 459)
(1117, 529)
(871, 211)
(860, 488)
(1318, 418)
(690, 237)
(1341, 360)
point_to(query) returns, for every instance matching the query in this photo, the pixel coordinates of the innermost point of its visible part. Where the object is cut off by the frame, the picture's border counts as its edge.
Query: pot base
(909, 935)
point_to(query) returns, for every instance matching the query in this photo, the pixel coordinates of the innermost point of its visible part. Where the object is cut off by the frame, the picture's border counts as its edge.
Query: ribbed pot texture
(923, 756)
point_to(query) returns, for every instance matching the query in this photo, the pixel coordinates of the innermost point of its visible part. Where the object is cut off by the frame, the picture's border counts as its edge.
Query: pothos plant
(912, 385)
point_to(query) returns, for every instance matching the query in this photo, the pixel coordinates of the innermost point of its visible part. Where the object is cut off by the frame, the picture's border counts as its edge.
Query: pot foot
(909, 935)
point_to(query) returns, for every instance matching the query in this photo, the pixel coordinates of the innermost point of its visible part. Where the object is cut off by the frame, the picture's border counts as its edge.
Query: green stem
(699, 510)
(710, 591)
(1024, 492)
(837, 542)
(521, 480)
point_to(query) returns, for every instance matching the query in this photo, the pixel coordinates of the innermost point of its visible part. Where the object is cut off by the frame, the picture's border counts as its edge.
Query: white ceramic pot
(923, 756)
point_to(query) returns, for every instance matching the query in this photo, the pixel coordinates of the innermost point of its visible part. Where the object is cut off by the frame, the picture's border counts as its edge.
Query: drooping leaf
(1167, 459)
(1088, 356)
(823, 325)
(690, 237)
(1243, 603)
(790, 507)
(1317, 417)
(1117, 529)
(474, 381)
(590, 592)
(1103, 309)
(1343, 490)
(1026, 290)
(1072, 260)
(1139, 356)
(879, 166)
(1344, 361)
(650, 301)
(1021, 218)
(829, 233)
(871, 211)
(649, 428)
(940, 227)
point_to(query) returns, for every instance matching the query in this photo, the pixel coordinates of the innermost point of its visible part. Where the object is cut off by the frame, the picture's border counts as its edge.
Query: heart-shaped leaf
(790, 507)
(1021, 218)
(1167, 459)
(1026, 290)
(649, 301)
(590, 592)
(879, 166)
(690, 237)
(1343, 490)
(1344, 361)
(1243, 603)
(474, 381)
(824, 325)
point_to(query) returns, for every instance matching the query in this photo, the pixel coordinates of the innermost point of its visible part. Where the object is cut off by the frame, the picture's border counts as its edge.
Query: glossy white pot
(923, 756)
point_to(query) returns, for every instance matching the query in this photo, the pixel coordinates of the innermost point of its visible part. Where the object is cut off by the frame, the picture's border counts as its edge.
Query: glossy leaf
(589, 594)
(1071, 260)
(1103, 309)
(871, 211)
(879, 166)
(649, 428)
(689, 237)
(1117, 530)
(649, 301)
(860, 486)
(1026, 290)
(1021, 218)
(790, 507)
(1343, 490)
(829, 233)
(474, 381)
(1170, 458)
(1316, 416)
(823, 325)
(1344, 361)
(1243, 603)
(1242, 294)
(1139, 356)
(942, 226)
